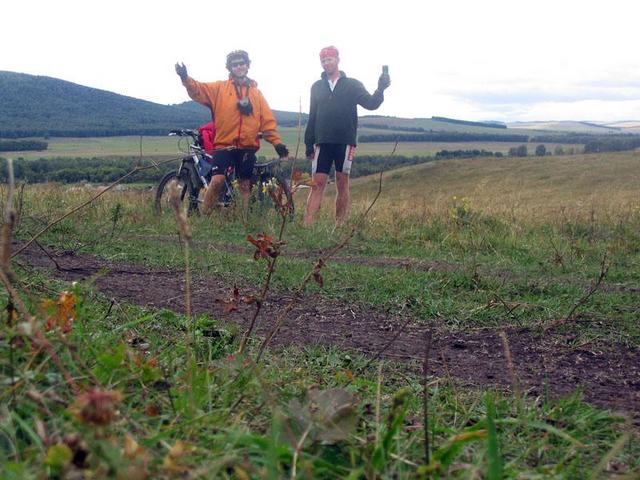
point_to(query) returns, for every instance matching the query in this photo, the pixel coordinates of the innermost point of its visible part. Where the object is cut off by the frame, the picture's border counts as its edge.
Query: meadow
(405, 353)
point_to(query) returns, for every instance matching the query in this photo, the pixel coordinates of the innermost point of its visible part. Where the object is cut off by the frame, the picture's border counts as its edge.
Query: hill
(569, 127)
(437, 124)
(41, 106)
(36, 106)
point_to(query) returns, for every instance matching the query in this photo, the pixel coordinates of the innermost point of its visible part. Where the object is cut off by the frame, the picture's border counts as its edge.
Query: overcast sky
(475, 60)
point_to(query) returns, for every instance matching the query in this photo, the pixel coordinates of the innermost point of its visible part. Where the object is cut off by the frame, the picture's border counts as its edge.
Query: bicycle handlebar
(184, 132)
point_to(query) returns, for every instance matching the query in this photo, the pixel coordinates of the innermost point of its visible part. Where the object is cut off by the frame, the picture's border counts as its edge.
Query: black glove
(181, 70)
(281, 150)
(310, 151)
(384, 81)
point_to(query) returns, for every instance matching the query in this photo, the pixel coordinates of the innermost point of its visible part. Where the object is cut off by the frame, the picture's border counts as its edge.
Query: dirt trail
(609, 374)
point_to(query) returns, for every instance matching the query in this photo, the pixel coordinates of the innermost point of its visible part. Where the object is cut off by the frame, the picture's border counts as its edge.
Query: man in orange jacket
(240, 112)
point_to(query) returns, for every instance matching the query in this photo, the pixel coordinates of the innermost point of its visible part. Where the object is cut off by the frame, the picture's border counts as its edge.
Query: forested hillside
(37, 106)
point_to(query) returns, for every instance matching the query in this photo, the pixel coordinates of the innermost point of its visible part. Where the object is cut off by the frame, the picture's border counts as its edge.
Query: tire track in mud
(609, 374)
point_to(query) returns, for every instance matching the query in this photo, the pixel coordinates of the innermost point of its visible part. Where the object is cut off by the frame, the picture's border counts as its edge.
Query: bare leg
(315, 197)
(212, 194)
(342, 197)
(244, 185)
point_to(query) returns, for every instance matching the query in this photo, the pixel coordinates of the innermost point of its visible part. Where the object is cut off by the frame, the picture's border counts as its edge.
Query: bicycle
(194, 174)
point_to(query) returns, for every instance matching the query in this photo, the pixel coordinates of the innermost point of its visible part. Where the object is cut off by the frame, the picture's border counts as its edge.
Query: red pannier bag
(207, 136)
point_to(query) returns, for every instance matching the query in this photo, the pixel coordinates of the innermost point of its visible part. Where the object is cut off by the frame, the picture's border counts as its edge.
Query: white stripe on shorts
(348, 159)
(314, 163)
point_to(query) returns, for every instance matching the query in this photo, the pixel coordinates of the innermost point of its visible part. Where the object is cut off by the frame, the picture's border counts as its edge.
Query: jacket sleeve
(310, 131)
(364, 99)
(203, 93)
(268, 124)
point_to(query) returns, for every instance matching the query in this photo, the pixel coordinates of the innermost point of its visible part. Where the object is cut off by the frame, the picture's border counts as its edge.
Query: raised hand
(181, 70)
(384, 81)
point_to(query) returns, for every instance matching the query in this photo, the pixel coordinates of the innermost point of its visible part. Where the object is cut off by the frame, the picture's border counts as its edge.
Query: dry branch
(604, 269)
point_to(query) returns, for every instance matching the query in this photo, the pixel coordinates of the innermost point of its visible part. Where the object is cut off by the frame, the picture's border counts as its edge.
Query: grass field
(166, 147)
(512, 245)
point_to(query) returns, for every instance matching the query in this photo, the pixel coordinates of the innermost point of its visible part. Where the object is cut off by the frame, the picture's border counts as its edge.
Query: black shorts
(241, 159)
(325, 154)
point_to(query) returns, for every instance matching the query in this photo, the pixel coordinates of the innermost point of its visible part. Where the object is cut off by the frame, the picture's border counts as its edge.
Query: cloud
(529, 94)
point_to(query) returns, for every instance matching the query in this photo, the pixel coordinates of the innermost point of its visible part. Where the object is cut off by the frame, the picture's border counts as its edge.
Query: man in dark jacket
(331, 132)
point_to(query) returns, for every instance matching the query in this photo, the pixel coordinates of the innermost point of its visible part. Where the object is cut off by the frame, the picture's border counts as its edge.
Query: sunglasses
(238, 64)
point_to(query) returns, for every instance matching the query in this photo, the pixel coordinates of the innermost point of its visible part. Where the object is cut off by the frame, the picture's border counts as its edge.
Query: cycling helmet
(237, 55)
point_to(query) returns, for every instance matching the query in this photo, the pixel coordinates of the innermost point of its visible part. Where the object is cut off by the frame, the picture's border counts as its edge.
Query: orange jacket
(232, 128)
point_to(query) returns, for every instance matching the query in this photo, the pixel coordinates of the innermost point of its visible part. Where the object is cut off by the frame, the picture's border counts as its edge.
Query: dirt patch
(608, 374)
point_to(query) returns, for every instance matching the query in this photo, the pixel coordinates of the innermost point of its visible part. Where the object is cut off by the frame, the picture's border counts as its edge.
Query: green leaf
(112, 360)
(330, 414)
(542, 426)
(447, 453)
(58, 456)
(493, 451)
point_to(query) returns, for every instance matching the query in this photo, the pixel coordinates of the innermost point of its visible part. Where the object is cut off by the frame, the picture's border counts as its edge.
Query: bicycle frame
(192, 168)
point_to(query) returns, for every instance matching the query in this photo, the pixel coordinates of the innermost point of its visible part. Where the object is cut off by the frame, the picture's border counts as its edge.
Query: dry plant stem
(295, 157)
(18, 218)
(322, 261)
(425, 394)
(298, 449)
(604, 269)
(7, 225)
(48, 255)
(510, 366)
(265, 290)
(91, 200)
(272, 263)
(388, 344)
(185, 237)
(378, 401)
(450, 381)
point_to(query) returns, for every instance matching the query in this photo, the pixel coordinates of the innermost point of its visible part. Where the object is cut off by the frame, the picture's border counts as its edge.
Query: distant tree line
(391, 127)
(106, 170)
(611, 144)
(88, 132)
(22, 145)
(72, 170)
(369, 164)
(581, 138)
(445, 137)
(467, 154)
(470, 123)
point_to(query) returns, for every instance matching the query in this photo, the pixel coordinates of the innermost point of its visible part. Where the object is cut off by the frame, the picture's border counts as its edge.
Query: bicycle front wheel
(185, 190)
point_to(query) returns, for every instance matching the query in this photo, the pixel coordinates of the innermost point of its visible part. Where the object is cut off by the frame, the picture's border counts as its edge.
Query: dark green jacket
(333, 116)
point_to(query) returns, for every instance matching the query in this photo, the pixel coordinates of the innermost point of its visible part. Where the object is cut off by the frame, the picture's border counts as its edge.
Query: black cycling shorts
(326, 154)
(241, 159)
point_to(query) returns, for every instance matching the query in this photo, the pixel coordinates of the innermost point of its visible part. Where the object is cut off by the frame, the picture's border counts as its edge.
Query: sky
(475, 60)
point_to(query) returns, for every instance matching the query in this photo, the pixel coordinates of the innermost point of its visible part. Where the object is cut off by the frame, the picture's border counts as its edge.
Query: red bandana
(329, 52)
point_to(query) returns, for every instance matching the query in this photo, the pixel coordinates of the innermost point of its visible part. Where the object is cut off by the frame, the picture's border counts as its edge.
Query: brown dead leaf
(317, 276)
(265, 246)
(173, 461)
(62, 312)
(96, 407)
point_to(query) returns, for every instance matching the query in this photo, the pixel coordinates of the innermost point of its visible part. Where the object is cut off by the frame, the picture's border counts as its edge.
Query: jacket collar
(246, 81)
(323, 75)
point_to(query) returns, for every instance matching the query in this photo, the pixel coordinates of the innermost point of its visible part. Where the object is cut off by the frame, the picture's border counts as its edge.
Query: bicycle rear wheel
(186, 190)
